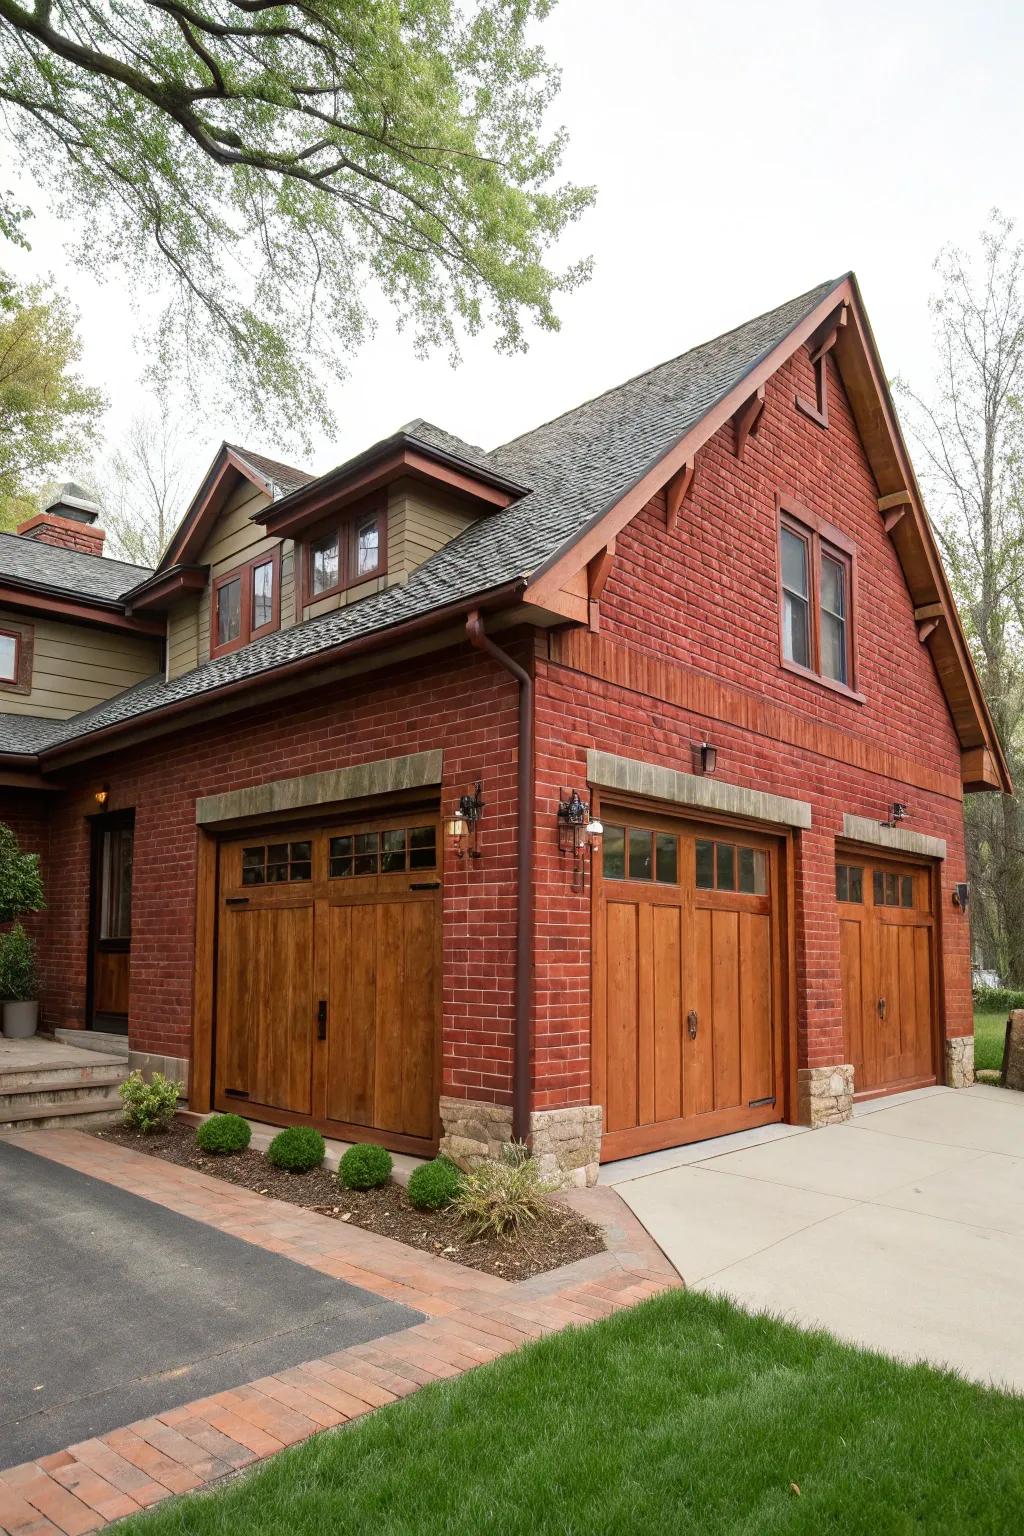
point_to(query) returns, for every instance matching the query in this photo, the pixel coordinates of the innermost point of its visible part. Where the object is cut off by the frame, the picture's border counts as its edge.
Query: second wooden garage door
(686, 983)
(328, 978)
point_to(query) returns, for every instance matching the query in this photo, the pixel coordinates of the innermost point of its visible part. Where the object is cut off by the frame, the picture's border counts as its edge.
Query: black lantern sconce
(577, 834)
(897, 813)
(961, 895)
(461, 826)
(705, 756)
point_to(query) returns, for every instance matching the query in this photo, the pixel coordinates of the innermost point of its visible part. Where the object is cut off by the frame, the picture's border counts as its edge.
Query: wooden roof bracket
(821, 343)
(676, 492)
(599, 568)
(748, 420)
(894, 508)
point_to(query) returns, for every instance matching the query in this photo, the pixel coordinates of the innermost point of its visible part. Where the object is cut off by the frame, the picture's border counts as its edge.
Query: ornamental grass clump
(297, 1150)
(434, 1185)
(500, 1198)
(222, 1134)
(365, 1166)
(148, 1106)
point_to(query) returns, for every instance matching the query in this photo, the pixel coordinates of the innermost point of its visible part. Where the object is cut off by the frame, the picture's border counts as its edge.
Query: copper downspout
(524, 892)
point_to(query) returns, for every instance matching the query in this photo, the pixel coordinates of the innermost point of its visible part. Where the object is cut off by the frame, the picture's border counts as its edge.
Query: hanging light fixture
(578, 832)
(461, 826)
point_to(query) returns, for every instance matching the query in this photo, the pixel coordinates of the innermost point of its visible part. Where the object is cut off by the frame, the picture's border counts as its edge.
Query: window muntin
(348, 551)
(116, 883)
(394, 851)
(262, 596)
(636, 853)
(816, 582)
(731, 867)
(796, 598)
(277, 863)
(9, 657)
(849, 882)
(367, 560)
(229, 611)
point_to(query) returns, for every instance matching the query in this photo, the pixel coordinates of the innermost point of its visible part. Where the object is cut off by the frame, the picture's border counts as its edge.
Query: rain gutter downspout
(524, 891)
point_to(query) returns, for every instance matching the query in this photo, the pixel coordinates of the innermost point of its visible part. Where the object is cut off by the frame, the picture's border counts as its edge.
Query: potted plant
(18, 984)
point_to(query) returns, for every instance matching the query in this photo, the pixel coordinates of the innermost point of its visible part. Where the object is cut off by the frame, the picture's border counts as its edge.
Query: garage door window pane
(705, 866)
(726, 868)
(423, 848)
(640, 865)
(753, 872)
(849, 883)
(665, 859)
(392, 857)
(340, 858)
(907, 891)
(253, 863)
(613, 853)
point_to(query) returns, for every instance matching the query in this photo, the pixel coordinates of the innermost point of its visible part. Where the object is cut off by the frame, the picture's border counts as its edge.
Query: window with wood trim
(817, 591)
(346, 551)
(16, 644)
(246, 603)
(10, 646)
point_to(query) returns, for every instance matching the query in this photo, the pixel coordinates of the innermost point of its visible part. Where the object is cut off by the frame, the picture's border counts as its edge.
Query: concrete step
(89, 1114)
(41, 1090)
(33, 1078)
(94, 1040)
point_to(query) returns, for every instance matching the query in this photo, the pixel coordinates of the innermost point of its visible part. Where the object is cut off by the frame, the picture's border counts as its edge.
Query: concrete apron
(901, 1231)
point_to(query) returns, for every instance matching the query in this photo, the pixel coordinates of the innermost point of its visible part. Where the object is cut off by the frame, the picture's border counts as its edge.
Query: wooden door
(686, 983)
(329, 978)
(110, 920)
(887, 954)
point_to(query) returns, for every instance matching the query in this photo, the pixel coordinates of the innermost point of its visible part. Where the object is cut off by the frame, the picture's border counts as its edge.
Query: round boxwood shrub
(224, 1133)
(297, 1149)
(365, 1166)
(434, 1185)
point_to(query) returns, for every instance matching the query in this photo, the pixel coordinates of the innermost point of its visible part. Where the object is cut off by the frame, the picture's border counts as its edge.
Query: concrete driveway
(902, 1231)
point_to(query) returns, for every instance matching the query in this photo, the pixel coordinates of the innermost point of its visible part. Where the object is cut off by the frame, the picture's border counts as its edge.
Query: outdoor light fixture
(101, 797)
(961, 895)
(461, 827)
(577, 834)
(897, 813)
(705, 756)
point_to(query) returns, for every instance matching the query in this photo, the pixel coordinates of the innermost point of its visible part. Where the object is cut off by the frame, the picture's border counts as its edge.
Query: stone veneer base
(565, 1142)
(824, 1095)
(959, 1053)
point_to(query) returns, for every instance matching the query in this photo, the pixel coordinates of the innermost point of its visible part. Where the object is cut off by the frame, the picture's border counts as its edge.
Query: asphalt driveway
(901, 1231)
(114, 1308)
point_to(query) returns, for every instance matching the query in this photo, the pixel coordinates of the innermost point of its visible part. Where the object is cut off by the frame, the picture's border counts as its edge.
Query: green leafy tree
(21, 884)
(280, 162)
(47, 414)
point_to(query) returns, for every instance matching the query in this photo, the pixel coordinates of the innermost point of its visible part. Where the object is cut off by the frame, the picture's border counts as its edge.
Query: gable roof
(277, 477)
(230, 463)
(581, 477)
(70, 572)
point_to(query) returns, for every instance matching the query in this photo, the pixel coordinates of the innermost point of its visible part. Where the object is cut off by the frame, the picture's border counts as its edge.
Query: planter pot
(20, 1020)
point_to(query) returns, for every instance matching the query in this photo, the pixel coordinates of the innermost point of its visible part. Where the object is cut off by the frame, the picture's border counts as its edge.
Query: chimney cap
(76, 502)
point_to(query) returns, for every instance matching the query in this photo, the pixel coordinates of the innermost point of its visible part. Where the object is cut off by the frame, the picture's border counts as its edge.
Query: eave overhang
(75, 607)
(396, 458)
(160, 591)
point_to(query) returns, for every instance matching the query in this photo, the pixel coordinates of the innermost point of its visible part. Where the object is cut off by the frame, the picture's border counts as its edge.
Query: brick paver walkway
(471, 1318)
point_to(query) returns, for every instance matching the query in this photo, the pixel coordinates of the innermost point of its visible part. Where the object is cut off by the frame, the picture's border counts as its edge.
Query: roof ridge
(668, 362)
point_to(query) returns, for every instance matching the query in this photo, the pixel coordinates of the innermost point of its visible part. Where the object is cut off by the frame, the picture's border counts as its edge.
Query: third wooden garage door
(687, 982)
(329, 978)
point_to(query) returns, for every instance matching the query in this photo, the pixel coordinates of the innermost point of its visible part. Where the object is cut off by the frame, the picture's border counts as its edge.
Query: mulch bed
(560, 1239)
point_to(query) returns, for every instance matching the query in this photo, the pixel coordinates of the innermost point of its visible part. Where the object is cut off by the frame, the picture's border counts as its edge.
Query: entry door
(686, 988)
(328, 978)
(887, 951)
(110, 920)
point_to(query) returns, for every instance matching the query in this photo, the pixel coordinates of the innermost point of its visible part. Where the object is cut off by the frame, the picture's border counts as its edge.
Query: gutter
(524, 885)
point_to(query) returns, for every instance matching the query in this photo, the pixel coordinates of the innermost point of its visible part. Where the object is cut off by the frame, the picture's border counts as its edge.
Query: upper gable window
(246, 603)
(816, 581)
(347, 551)
(10, 645)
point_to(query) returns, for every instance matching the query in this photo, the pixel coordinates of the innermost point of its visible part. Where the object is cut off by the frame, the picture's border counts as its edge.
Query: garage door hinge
(757, 1103)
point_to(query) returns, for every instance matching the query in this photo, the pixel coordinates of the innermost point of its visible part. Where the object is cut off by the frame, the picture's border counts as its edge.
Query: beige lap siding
(75, 666)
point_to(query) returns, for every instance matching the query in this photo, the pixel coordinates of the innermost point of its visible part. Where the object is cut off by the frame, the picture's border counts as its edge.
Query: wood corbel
(929, 611)
(599, 568)
(894, 508)
(676, 492)
(748, 420)
(927, 627)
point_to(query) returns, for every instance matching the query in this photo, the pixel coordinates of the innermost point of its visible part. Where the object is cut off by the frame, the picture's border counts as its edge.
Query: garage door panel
(264, 1001)
(851, 964)
(667, 936)
(699, 1067)
(725, 1006)
(421, 982)
(755, 954)
(622, 1024)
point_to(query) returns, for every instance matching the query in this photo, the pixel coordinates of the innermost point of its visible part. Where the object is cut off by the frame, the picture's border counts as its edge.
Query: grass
(989, 1033)
(682, 1415)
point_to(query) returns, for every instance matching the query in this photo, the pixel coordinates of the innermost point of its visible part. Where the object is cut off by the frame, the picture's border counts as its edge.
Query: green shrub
(997, 999)
(365, 1166)
(498, 1198)
(18, 982)
(148, 1106)
(21, 885)
(298, 1149)
(434, 1185)
(224, 1133)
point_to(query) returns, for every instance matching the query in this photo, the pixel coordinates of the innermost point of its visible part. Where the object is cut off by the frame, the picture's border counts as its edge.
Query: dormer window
(246, 603)
(346, 551)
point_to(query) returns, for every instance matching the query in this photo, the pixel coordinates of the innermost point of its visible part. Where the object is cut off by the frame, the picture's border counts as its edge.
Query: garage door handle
(691, 1023)
(321, 1019)
(881, 1007)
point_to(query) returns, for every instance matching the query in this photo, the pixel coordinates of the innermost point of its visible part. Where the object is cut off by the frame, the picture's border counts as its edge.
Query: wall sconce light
(708, 757)
(898, 812)
(961, 895)
(578, 832)
(461, 827)
(101, 797)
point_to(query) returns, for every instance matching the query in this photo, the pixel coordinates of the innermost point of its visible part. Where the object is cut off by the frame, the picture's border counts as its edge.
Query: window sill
(823, 682)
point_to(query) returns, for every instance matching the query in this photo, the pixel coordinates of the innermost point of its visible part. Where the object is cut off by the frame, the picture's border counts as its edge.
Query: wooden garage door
(329, 978)
(686, 983)
(887, 950)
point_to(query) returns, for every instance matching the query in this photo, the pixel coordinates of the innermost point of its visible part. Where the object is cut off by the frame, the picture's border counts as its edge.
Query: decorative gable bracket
(894, 508)
(748, 420)
(676, 492)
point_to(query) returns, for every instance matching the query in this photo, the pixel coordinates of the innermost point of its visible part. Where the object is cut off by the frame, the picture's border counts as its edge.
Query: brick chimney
(69, 522)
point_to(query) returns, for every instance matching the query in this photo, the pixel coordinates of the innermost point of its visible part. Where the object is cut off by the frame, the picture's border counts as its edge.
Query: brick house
(553, 791)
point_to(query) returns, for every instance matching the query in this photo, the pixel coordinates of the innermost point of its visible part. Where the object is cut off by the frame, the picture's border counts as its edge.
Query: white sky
(743, 152)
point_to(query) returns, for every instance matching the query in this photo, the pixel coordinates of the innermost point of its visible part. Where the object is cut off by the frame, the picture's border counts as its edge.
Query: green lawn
(682, 1415)
(989, 1031)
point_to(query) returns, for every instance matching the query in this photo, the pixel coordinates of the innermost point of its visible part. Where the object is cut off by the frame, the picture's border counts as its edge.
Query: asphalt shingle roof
(67, 570)
(578, 466)
(282, 477)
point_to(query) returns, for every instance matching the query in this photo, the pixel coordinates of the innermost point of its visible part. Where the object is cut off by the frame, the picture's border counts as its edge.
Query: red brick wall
(705, 597)
(466, 706)
(64, 532)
